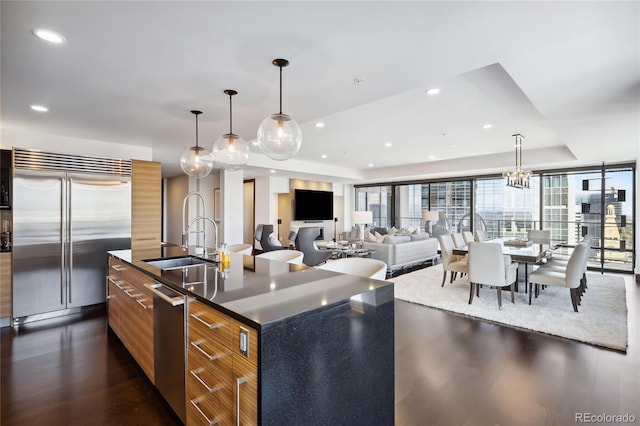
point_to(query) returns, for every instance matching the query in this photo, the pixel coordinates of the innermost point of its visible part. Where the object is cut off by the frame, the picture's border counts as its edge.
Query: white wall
(22, 138)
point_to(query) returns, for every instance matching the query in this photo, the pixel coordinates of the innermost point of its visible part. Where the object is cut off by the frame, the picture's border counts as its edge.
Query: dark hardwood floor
(450, 370)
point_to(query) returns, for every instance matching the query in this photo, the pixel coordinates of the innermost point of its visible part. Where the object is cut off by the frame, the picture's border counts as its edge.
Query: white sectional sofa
(400, 252)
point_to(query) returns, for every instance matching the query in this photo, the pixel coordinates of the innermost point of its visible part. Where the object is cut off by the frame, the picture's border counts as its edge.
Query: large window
(570, 203)
(376, 199)
(503, 211)
(595, 202)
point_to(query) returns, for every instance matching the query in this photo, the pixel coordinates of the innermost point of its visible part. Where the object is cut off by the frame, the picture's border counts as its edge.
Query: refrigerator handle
(63, 270)
(69, 242)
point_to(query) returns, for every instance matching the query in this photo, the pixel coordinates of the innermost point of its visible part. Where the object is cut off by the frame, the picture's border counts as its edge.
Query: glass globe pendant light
(195, 161)
(279, 136)
(230, 151)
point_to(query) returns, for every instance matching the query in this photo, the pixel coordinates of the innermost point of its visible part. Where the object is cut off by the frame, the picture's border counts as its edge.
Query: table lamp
(430, 216)
(361, 218)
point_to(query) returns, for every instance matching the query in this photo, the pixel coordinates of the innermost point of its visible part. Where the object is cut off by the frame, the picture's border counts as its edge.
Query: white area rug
(601, 320)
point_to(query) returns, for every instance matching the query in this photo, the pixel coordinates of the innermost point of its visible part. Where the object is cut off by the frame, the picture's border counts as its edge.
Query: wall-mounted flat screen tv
(313, 205)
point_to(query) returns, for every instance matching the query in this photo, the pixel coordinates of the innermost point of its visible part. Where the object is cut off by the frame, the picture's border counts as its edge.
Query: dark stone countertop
(260, 291)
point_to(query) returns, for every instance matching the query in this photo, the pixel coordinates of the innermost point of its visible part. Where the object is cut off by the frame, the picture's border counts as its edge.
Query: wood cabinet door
(245, 381)
(146, 204)
(5, 285)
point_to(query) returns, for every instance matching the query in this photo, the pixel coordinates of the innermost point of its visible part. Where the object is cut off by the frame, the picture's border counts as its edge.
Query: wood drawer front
(137, 327)
(216, 406)
(117, 267)
(200, 315)
(237, 327)
(217, 372)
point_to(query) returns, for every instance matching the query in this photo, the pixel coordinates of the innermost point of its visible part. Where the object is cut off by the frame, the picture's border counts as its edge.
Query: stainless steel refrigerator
(63, 225)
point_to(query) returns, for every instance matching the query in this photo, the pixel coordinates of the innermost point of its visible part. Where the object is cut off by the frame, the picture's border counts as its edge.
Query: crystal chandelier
(518, 177)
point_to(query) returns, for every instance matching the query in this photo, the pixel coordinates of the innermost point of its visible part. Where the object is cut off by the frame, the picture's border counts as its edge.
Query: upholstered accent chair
(289, 256)
(369, 268)
(267, 240)
(305, 242)
(450, 262)
(488, 266)
(570, 277)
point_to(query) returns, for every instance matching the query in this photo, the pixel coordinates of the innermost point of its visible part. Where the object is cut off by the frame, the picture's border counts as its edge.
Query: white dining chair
(363, 267)
(451, 262)
(569, 277)
(458, 240)
(538, 236)
(468, 237)
(480, 236)
(289, 256)
(488, 266)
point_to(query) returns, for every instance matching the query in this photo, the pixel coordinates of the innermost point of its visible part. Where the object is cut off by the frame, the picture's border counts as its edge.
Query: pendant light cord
(280, 89)
(230, 117)
(197, 131)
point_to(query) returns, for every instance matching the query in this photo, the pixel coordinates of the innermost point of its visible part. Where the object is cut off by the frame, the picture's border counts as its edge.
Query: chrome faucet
(185, 230)
(204, 232)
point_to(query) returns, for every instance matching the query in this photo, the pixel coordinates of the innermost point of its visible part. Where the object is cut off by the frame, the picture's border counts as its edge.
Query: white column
(231, 208)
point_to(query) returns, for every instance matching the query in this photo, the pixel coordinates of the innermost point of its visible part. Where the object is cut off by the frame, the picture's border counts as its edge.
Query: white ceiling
(566, 75)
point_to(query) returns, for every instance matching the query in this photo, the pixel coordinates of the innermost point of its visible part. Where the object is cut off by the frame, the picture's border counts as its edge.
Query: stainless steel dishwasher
(169, 346)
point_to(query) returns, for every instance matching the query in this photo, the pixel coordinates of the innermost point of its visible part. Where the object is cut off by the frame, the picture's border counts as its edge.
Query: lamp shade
(430, 216)
(230, 151)
(362, 217)
(196, 162)
(279, 137)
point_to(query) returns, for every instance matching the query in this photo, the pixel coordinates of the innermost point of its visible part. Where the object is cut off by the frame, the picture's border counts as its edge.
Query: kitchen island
(271, 342)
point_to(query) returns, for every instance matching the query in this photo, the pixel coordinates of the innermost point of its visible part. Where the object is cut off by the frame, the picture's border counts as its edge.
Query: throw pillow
(370, 237)
(392, 231)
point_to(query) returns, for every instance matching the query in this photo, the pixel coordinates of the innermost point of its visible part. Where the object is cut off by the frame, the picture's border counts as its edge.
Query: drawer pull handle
(197, 346)
(239, 381)
(141, 303)
(117, 283)
(200, 320)
(118, 268)
(195, 373)
(133, 296)
(195, 403)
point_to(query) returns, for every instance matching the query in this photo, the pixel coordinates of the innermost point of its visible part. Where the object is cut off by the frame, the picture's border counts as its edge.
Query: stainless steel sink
(176, 262)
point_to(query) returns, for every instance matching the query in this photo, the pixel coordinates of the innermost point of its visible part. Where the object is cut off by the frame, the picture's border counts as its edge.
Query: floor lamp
(430, 216)
(361, 218)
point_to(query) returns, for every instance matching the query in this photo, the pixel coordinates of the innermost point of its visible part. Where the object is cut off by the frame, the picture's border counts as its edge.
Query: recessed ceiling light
(431, 157)
(370, 164)
(48, 35)
(319, 124)
(433, 91)
(487, 126)
(272, 171)
(323, 156)
(39, 108)
(255, 143)
(388, 145)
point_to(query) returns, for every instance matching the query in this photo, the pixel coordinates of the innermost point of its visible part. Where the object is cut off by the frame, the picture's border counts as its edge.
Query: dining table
(521, 251)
